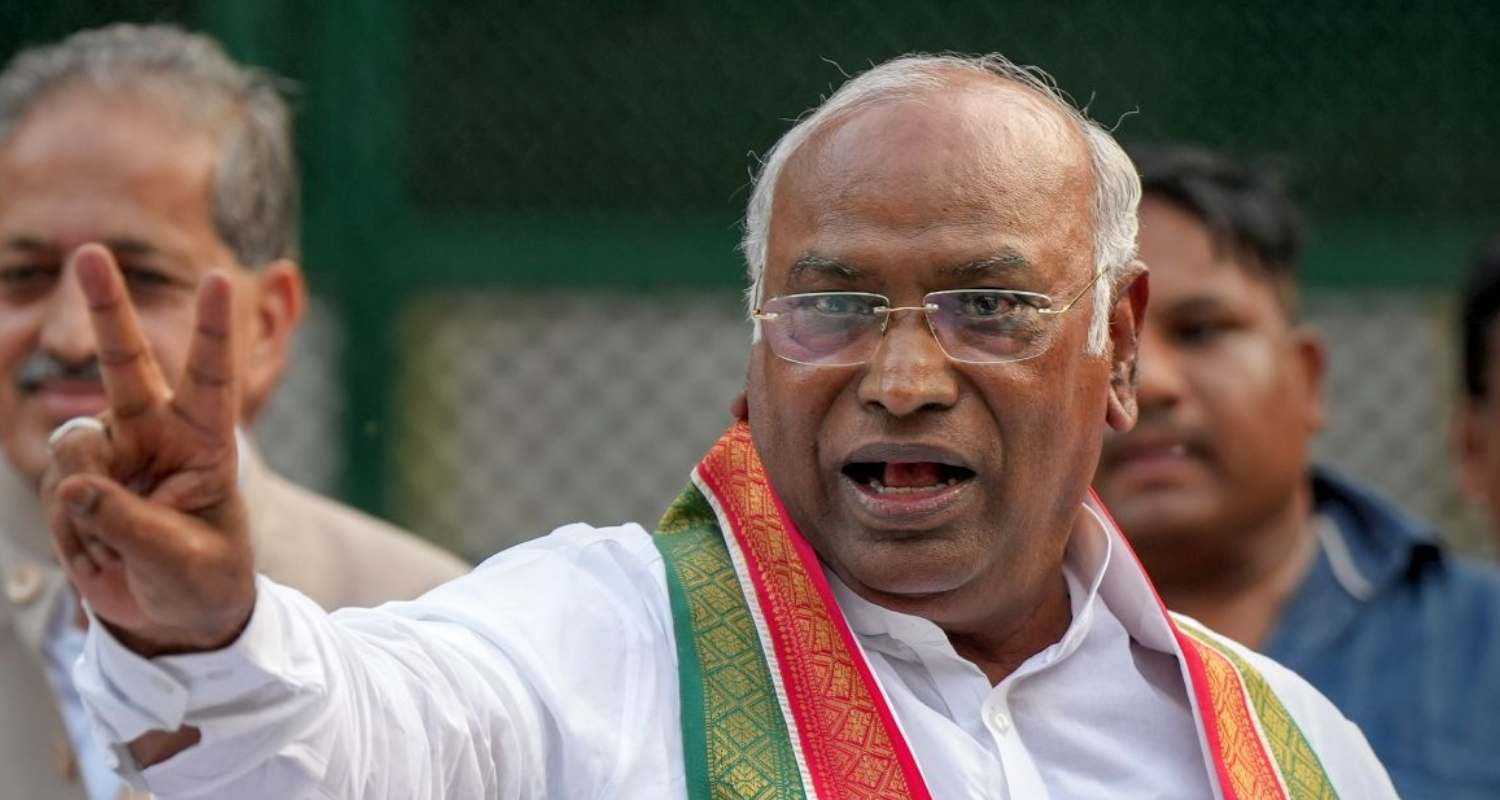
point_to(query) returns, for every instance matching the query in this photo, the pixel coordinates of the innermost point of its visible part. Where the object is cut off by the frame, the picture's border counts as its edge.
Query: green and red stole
(779, 703)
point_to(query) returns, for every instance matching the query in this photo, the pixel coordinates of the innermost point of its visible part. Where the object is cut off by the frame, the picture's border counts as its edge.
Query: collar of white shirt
(1018, 752)
(1097, 569)
(1084, 566)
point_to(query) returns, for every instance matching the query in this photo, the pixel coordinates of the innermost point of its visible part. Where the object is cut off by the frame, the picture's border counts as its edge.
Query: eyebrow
(120, 246)
(1195, 304)
(130, 247)
(26, 243)
(1004, 263)
(813, 266)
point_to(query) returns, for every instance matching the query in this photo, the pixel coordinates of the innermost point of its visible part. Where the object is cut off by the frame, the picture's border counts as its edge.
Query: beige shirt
(334, 554)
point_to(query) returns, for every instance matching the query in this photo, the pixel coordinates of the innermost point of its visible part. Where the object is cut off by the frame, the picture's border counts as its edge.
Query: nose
(1160, 382)
(66, 332)
(909, 371)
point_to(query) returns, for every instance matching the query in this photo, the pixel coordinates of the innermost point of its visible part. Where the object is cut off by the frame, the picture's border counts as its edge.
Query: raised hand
(144, 507)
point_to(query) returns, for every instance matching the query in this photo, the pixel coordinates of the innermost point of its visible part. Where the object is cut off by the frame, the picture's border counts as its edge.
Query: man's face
(1229, 397)
(85, 168)
(931, 486)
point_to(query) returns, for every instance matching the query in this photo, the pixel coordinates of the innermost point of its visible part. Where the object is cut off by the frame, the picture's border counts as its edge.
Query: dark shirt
(1405, 639)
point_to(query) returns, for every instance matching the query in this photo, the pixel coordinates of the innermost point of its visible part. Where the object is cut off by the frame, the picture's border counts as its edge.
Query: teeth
(880, 488)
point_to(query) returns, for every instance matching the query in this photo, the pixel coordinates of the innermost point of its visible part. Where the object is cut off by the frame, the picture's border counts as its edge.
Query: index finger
(132, 379)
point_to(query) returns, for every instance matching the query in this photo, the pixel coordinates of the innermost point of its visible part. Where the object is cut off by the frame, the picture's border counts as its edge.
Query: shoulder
(1460, 619)
(613, 576)
(1468, 585)
(1339, 745)
(575, 630)
(565, 610)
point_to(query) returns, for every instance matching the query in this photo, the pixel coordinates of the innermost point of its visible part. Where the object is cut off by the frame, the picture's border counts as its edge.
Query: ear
(279, 298)
(1125, 320)
(1311, 353)
(1472, 447)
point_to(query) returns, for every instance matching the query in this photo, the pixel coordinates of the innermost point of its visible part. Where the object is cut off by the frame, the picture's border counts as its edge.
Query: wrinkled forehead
(90, 167)
(82, 126)
(981, 160)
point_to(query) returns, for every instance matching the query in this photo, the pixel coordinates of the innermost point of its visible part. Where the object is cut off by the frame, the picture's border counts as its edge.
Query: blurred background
(521, 217)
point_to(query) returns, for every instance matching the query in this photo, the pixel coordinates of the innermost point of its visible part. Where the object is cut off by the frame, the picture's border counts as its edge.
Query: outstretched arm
(244, 688)
(363, 704)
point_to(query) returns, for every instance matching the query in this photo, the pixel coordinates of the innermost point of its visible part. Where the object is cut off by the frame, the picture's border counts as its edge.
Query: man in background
(1217, 493)
(1478, 422)
(149, 144)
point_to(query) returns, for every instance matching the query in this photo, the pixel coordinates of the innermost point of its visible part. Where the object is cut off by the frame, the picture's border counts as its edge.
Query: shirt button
(24, 584)
(1001, 721)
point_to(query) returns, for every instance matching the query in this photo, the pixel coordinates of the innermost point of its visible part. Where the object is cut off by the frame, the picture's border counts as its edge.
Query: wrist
(158, 642)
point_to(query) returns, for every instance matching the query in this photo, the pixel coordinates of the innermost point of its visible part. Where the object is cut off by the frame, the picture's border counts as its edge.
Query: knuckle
(134, 409)
(212, 334)
(72, 451)
(199, 560)
(119, 356)
(204, 376)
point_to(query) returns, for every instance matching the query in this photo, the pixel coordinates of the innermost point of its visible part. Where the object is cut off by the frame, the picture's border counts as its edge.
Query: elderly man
(891, 582)
(1215, 490)
(1478, 429)
(153, 143)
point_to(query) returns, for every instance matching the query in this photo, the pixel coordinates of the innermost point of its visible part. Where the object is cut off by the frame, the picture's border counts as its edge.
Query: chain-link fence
(522, 215)
(299, 428)
(522, 412)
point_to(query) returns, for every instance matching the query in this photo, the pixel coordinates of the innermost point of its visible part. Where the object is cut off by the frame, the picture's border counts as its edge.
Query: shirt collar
(1370, 544)
(1085, 563)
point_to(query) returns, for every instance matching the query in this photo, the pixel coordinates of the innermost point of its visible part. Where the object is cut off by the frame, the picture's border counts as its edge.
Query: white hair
(1117, 187)
(255, 191)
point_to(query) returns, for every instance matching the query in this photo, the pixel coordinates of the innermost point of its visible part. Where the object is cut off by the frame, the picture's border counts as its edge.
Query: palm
(160, 551)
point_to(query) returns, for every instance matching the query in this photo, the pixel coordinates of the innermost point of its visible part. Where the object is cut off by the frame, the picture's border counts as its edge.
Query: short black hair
(1245, 206)
(1481, 302)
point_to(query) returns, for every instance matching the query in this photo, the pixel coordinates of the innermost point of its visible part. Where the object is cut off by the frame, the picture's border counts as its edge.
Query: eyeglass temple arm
(1076, 297)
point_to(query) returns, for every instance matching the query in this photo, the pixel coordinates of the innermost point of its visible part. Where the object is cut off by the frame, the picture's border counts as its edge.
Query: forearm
(362, 704)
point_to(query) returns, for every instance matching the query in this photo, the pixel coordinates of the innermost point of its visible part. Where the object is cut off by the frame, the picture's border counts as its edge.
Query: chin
(1148, 511)
(912, 569)
(1168, 533)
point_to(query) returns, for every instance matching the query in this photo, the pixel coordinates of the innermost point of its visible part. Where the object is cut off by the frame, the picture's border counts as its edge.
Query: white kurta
(550, 672)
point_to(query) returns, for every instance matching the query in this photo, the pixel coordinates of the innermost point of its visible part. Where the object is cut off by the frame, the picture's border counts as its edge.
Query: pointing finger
(131, 377)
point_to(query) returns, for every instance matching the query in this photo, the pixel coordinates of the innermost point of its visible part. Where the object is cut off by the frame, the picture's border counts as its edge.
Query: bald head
(972, 150)
(1013, 113)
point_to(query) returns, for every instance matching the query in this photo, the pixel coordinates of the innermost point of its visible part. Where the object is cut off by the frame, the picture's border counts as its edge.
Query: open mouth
(905, 477)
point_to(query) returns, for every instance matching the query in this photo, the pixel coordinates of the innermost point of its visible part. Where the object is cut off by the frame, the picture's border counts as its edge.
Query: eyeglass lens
(842, 329)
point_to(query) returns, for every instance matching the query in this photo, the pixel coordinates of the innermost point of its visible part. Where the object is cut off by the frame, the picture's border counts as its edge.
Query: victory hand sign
(143, 503)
